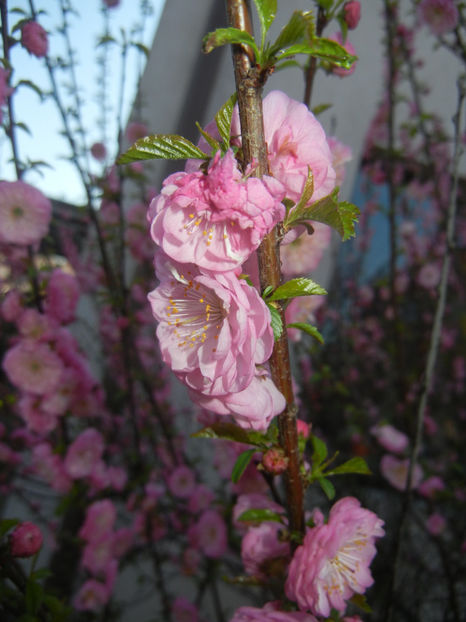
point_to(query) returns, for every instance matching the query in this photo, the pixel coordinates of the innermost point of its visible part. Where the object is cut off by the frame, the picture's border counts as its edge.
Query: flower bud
(274, 461)
(352, 14)
(25, 540)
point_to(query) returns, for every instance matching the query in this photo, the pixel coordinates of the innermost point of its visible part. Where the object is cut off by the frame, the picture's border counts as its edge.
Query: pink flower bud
(34, 39)
(275, 461)
(26, 540)
(352, 13)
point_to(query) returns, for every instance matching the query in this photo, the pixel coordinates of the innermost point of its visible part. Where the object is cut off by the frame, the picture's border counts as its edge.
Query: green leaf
(341, 216)
(275, 320)
(320, 451)
(291, 33)
(34, 596)
(223, 118)
(141, 47)
(360, 601)
(6, 524)
(354, 465)
(162, 147)
(224, 36)
(268, 290)
(325, 49)
(232, 432)
(32, 86)
(241, 464)
(300, 286)
(267, 10)
(327, 487)
(320, 109)
(308, 329)
(258, 516)
(211, 141)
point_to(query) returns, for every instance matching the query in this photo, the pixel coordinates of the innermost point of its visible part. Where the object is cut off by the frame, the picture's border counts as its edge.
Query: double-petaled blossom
(333, 562)
(213, 327)
(262, 552)
(24, 213)
(296, 142)
(33, 367)
(440, 15)
(215, 219)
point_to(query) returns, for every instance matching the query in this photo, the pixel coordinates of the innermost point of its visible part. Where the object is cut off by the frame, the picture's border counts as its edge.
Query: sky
(43, 141)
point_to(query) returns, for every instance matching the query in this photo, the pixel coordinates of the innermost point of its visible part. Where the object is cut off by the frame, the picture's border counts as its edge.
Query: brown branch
(249, 82)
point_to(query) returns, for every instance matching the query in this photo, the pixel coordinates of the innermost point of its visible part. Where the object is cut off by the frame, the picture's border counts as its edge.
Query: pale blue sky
(42, 118)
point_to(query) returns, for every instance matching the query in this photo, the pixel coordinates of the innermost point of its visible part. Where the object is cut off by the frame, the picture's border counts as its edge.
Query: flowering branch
(249, 82)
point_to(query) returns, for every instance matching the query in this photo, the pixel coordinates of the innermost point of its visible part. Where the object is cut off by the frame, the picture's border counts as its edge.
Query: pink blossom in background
(269, 613)
(33, 324)
(62, 296)
(213, 328)
(34, 38)
(11, 306)
(395, 472)
(136, 130)
(200, 499)
(100, 519)
(183, 610)
(429, 487)
(436, 524)
(301, 309)
(84, 453)
(296, 142)
(99, 151)
(352, 13)
(92, 596)
(390, 438)
(303, 254)
(36, 419)
(209, 534)
(33, 367)
(25, 540)
(341, 155)
(333, 562)
(24, 213)
(137, 229)
(262, 553)
(429, 275)
(97, 554)
(252, 501)
(181, 482)
(252, 408)
(441, 16)
(339, 71)
(49, 467)
(215, 220)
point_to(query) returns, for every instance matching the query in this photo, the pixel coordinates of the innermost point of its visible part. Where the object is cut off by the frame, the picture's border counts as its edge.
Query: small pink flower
(390, 438)
(62, 296)
(435, 524)
(395, 472)
(100, 518)
(352, 13)
(209, 534)
(274, 460)
(339, 71)
(262, 552)
(213, 328)
(84, 453)
(11, 307)
(183, 610)
(431, 486)
(99, 151)
(24, 213)
(429, 275)
(181, 482)
(270, 614)
(33, 367)
(25, 540)
(92, 596)
(333, 562)
(97, 554)
(215, 219)
(34, 39)
(136, 130)
(200, 499)
(440, 15)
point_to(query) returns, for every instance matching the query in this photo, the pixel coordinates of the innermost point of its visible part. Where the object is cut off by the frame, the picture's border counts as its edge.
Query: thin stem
(311, 68)
(249, 82)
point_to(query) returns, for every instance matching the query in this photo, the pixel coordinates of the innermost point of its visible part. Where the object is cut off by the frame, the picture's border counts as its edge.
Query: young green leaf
(232, 432)
(320, 451)
(275, 320)
(224, 36)
(291, 33)
(266, 9)
(223, 119)
(360, 601)
(354, 465)
(241, 464)
(308, 329)
(258, 516)
(161, 147)
(327, 487)
(325, 49)
(210, 140)
(296, 287)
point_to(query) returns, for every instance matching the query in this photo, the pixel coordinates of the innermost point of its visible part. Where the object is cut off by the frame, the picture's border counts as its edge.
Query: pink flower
(33, 367)
(431, 486)
(302, 309)
(34, 39)
(209, 534)
(303, 254)
(333, 562)
(275, 461)
(181, 482)
(92, 596)
(295, 141)
(200, 499)
(99, 151)
(440, 15)
(24, 213)
(269, 614)
(429, 275)
(97, 554)
(339, 71)
(100, 518)
(25, 540)
(252, 408)
(136, 130)
(395, 472)
(213, 328)
(62, 296)
(262, 553)
(435, 524)
(390, 438)
(183, 610)
(352, 13)
(215, 220)
(84, 453)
